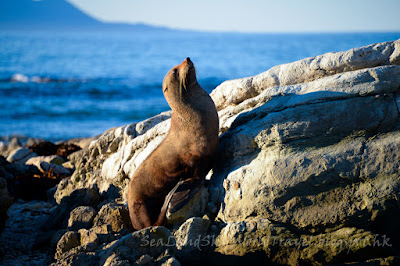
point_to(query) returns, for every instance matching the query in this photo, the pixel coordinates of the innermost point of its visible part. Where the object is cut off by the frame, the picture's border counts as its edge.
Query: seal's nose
(188, 60)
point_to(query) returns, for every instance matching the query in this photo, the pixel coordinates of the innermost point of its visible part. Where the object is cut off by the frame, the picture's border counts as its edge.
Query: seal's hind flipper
(183, 194)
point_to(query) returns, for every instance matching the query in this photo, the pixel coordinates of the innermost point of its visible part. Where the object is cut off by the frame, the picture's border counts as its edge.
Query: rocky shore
(308, 172)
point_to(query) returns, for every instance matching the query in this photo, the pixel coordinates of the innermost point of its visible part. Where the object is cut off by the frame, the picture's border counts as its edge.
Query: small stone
(88, 237)
(114, 215)
(68, 241)
(20, 155)
(81, 217)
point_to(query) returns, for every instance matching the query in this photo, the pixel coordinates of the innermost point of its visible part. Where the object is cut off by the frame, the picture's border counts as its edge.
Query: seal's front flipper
(186, 190)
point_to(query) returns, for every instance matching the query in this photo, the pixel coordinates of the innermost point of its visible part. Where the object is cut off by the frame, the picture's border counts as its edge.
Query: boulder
(192, 238)
(59, 217)
(68, 241)
(233, 92)
(114, 216)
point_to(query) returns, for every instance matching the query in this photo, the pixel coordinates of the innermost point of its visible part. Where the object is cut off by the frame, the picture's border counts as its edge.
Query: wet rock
(81, 217)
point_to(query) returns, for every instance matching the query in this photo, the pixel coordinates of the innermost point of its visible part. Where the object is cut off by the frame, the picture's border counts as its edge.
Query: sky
(251, 15)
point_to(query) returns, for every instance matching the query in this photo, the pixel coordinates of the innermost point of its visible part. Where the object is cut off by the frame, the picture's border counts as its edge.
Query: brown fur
(187, 152)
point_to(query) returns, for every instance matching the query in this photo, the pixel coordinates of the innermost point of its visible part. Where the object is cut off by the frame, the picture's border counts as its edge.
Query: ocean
(62, 85)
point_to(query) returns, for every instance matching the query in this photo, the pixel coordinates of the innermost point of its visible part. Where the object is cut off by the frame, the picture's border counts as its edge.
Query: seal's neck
(192, 108)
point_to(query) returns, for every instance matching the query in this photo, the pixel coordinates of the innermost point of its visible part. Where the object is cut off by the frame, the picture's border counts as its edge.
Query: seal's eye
(175, 71)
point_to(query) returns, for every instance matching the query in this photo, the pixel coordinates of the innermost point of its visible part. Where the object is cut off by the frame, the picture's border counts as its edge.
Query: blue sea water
(61, 85)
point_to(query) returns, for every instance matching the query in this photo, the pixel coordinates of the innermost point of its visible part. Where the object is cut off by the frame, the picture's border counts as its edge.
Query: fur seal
(185, 155)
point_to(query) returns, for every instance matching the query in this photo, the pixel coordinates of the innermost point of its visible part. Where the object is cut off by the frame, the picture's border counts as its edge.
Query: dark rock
(81, 217)
(45, 148)
(5, 202)
(65, 149)
(80, 197)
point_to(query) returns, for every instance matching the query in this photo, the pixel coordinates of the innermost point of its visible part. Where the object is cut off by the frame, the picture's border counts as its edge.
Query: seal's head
(179, 80)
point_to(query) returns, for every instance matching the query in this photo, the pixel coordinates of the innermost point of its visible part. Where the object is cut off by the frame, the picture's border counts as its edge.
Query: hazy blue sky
(252, 15)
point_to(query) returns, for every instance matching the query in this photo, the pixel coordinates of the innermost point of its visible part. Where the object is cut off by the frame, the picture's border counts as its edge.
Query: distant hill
(55, 14)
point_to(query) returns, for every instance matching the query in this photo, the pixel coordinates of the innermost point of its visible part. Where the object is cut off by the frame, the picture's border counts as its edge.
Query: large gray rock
(304, 151)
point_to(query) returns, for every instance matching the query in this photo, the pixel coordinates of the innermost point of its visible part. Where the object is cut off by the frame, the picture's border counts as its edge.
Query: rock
(69, 165)
(5, 202)
(44, 148)
(115, 260)
(65, 149)
(8, 146)
(119, 147)
(89, 237)
(83, 143)
(286, 247)
(51, 159)
(145, 260)
(75, 157)
(60, 215)
(50, 164)
(171, 262)
(34, 141)
(68, 241)
(151, 241)
(192, 238)
(54, 169)
(81, 217)
(115, 216)
(20, 155)
(236, 91)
